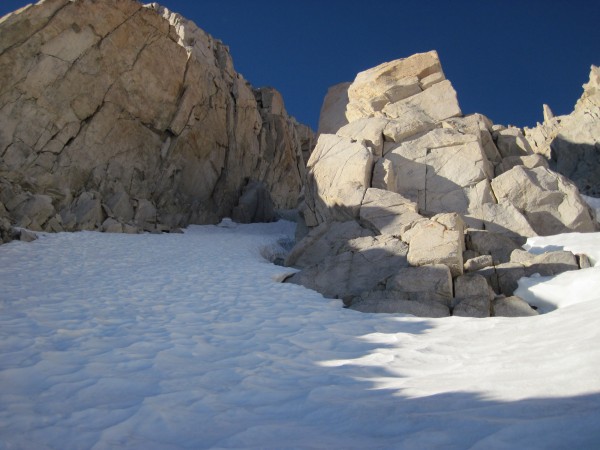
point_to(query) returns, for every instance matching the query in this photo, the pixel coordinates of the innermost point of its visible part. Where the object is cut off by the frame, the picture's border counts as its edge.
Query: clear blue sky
(505, 58)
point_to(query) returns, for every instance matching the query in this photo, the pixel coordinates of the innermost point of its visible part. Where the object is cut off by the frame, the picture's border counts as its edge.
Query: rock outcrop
(447, 200)
(119, 116)
(333, 111)
(572, 143)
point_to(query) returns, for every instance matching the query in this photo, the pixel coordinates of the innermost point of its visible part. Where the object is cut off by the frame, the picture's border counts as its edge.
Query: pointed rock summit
(572, 142)
(124, 117)
(439, 201)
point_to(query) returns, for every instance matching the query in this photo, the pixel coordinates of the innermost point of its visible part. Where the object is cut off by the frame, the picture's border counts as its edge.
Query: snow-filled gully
(188, 341)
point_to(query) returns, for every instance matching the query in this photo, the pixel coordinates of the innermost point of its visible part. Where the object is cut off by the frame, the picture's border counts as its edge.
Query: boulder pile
(121, 117)
(413, 207)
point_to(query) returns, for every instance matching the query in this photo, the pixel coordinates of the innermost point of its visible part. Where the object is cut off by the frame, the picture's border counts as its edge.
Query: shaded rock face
(255, 205)
(349, 270)
(572, 142)
(116, 110)
(460, 193)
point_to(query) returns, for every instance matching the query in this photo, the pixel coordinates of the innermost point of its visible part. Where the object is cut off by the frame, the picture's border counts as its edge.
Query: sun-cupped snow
(188, 341)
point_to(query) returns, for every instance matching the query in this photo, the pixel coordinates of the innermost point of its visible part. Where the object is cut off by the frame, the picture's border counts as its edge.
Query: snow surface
(187, 341)
(568, 288)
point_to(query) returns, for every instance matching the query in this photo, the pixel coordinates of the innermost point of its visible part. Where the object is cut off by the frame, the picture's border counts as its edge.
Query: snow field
(187, 341)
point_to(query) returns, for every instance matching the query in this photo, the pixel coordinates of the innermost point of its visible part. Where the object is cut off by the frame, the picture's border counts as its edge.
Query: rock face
(447, 198)
(336, 192)
(341, 259)
(420, 291)
(97, 124)
(333, 111)
(550, 203)
(572, 142)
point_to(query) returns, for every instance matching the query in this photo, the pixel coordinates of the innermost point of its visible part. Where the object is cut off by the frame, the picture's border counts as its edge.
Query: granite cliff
(123, 117)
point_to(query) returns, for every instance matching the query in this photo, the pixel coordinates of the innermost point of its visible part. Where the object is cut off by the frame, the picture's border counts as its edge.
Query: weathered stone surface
(576, 153)
(130, 229)
(504, 219)
(307, 140)
(521, 256)
(584, 261)
(470, 285)
(468, 253)
(85, 213)
(437, 103)
(497, 245)
(551, 263)
(34, 212)
(388, 212)
(452, 221)
(390, 82)
(88, 105)
(549, 201)
(120, 206)
(512, 307)
(410, 126)
(112, 226)
(358, 266)
(435, 243)
(270, 100)
(383, 175)
(394, 302)
(368, 132)
(431, 283)
(54, 225)
(339, 173)
(255, 204)
(283, 144)
(324, 240)
(430, 80)
(480, 126)
(24, 235)
(591, 92)
(512, 142)
(478, 262)
(572, 142)
(547, 112)
(472, 296)
(145, 215)
(5, 227)
(528, 161)
(541, 137)
(473, 307)
(333, 110)
(504, 277)
(435, 170)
